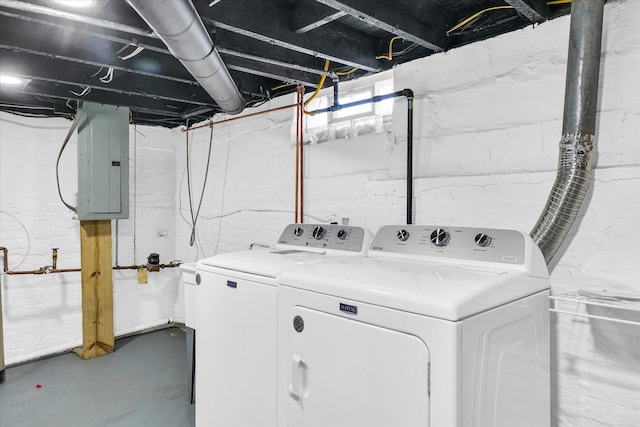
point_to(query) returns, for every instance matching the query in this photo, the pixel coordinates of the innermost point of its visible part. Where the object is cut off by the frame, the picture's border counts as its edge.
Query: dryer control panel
(325, 236)
(464, 243)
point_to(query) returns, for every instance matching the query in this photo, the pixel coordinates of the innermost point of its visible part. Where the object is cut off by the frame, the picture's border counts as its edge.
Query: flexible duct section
(178, 25)
(577, 148)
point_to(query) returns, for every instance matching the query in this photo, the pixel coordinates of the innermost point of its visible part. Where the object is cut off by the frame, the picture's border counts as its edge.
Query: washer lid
(448, 291)
(298, 244)
(263, 262)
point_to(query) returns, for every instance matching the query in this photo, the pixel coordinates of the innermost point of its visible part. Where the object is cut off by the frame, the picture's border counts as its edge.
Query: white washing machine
(236, 319)
(188, 271)
(435, 327)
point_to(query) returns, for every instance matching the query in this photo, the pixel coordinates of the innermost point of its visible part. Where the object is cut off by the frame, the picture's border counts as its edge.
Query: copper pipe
(76, 270)
(54, 269)
(127, 267)
(5, 257)
(26, 272)
(212, 123)
(43, 270)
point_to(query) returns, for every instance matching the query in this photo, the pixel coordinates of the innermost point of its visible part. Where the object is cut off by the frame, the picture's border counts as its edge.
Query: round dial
(319, 232)
(298, 231)
(342, 234)
(482, 240)
(440, 237)
(403, 235)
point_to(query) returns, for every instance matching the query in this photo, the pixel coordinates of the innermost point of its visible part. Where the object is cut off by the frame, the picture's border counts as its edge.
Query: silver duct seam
(577, 147)
(178, 25)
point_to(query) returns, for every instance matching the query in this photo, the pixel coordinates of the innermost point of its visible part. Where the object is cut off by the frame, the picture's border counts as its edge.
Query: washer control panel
(440, 237)
(324, 236)
(467, 243)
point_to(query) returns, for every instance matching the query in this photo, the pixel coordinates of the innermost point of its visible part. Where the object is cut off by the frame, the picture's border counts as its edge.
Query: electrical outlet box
(103, 162)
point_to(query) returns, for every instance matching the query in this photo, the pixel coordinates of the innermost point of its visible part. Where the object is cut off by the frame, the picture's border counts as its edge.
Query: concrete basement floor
(142, 383)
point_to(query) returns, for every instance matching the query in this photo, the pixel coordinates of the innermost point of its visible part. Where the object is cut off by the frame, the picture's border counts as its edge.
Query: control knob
(403, 235)
(298, 231)
(483, 240)
(440, 237)
(342, 234)
(319, 232)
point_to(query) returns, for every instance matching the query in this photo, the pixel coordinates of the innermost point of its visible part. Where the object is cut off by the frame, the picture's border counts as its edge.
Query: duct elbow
(577, 148)
(178, 25)
(569, 191)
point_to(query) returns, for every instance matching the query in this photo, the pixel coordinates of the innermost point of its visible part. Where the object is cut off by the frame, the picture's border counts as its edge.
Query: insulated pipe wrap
(178, 25)
(577, 148)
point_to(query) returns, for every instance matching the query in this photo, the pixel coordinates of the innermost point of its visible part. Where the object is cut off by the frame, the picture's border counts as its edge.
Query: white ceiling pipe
(178, 25)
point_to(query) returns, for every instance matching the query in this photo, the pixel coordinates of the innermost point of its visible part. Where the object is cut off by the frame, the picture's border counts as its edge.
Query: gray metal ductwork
(178, 25)
(577, 147)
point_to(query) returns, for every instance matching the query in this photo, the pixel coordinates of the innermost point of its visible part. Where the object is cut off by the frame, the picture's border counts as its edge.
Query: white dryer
(437, 327)
(236, 317)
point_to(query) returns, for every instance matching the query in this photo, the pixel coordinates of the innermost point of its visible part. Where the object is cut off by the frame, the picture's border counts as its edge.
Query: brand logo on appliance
(377, 248)
(232, 284)
(351, 309)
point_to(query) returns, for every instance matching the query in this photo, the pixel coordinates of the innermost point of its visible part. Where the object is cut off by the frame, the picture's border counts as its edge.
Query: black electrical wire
(194, 218)
(73, 127)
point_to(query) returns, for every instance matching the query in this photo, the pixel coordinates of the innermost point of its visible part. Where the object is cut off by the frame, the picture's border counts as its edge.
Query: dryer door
(344, 372)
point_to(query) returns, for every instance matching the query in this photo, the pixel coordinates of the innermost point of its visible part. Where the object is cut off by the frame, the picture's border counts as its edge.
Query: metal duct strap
(577, 147)
(178, 25)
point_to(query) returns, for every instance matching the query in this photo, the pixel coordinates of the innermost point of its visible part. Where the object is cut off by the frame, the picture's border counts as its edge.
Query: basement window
(365, 119)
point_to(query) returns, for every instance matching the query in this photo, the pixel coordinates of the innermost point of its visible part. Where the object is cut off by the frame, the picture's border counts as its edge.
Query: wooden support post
(97, 289)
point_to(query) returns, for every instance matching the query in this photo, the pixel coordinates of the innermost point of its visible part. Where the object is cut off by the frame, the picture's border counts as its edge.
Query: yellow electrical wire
(282, 86)
(475, 15)
(320, 84)
(344, 73)
(389, 57)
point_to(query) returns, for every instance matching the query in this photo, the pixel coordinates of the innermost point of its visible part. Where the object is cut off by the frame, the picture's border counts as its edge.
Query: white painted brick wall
(42, 314)
(488, 120)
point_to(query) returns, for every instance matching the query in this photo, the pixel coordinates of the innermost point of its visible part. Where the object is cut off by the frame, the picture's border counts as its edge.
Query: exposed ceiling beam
(533, 10)
(53, 70)
(267, 23)
(38, 41)
(84, 19)
(85, 32)
(302, 28)
(309, 15)
(58, 92)
(321, 51)
(296, 67)
(96, 64)
(31, 106)
(235, 44)
(196, 112)
(388, 19)
(279, 74)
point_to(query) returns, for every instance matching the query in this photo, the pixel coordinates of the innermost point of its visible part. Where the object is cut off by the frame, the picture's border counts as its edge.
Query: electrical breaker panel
(103, 162)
